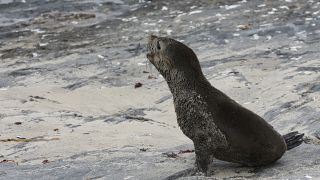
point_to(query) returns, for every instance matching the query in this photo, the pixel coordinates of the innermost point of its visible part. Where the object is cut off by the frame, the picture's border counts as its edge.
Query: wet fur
(218, 126)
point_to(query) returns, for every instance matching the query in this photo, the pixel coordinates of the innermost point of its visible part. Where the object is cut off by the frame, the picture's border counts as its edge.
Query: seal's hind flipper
(293, 139)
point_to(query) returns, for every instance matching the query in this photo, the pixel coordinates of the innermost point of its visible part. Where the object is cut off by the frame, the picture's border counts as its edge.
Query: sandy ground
(70, 110)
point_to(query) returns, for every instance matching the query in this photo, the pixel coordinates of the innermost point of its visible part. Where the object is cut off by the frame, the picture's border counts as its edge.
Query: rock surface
(70, 110)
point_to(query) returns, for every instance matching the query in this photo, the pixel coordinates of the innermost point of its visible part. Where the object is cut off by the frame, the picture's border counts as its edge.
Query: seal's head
(172, 57)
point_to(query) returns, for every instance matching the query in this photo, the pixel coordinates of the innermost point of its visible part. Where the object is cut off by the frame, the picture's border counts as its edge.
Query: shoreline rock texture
(70, 110)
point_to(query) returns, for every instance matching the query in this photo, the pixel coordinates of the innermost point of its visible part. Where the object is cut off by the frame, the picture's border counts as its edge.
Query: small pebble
(137, 85)
(45, 161)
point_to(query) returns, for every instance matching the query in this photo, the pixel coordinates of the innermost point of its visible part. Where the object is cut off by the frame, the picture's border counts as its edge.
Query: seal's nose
(152, 37)
(150, 43)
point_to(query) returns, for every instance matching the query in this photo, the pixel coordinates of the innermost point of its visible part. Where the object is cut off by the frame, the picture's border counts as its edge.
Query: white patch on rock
(195, 12)
(284, 7)
(228, 7)
(34, 54)
(37, 31)
(149, 24)
(141, 64)
(308, 177)
(169, 31)
(256, 37)
(133, 19)
(295, 48)
(268, 37)
(100, 56)
(296, 58)
(164, 8)
(128, 177)
(192, 7)
(43, 44)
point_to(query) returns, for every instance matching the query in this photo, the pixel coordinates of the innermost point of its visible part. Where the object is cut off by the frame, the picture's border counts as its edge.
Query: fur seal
(218, 126)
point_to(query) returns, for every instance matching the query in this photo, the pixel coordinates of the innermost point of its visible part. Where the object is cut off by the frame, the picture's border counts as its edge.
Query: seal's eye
(158, 45)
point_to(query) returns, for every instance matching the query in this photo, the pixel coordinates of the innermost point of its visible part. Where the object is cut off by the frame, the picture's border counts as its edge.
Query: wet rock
(269, 46)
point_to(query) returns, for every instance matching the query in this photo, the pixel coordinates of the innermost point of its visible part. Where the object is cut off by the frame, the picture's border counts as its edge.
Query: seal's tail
(293, 139)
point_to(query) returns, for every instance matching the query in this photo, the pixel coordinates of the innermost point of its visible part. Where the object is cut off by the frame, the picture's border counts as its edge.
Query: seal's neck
(179, 81)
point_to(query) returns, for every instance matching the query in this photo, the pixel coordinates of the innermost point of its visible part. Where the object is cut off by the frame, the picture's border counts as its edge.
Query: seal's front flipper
(293, 139)
(184, 173)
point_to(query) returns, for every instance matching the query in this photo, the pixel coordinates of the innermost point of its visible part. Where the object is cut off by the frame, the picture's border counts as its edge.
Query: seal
(218, 126)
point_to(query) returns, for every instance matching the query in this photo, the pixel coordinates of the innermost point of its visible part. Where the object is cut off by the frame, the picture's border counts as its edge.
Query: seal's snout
(152, 37)
(150, 54)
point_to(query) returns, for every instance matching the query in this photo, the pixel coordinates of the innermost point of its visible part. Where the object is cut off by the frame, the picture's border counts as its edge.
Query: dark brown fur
(218, 126)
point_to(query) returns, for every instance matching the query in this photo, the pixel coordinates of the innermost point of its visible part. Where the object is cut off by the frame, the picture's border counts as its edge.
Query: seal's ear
(163, 49)
(158, 45)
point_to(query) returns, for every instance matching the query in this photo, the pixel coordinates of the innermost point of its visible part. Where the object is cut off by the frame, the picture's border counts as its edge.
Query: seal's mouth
(150, 47)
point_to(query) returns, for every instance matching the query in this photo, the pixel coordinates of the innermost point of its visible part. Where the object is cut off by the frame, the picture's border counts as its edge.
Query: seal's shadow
(293, 163)
(221, 169)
